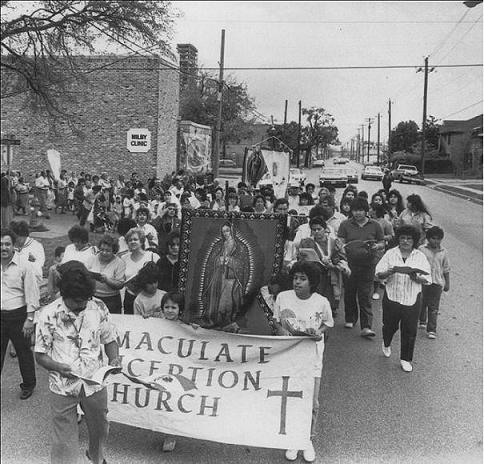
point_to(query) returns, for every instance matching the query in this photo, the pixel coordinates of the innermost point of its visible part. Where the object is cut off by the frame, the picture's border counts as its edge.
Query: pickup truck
(407, 173)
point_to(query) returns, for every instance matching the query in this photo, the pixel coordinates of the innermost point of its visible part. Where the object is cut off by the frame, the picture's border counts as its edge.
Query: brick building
(119, 94)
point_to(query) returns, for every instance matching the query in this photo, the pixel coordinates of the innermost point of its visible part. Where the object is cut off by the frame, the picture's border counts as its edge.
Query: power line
(441, 44)
(268, 21)
(463, 109)
(460, 40)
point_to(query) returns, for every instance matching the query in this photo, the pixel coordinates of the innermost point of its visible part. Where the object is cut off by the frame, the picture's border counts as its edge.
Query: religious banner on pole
(211, 385)
(54, 158)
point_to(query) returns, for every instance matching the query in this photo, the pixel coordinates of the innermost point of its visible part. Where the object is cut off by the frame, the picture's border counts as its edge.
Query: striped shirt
(400, 287)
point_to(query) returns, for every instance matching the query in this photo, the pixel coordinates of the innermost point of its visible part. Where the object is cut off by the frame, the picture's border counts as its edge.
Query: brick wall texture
(127, 93)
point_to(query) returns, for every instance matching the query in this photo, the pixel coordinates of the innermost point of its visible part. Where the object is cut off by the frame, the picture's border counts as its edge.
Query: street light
(472, 3)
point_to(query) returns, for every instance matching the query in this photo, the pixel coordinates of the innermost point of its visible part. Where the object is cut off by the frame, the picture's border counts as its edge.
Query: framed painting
(224, 258)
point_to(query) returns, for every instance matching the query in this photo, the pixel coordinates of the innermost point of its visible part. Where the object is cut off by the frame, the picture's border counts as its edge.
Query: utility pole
(299, 135)
(216, 148)
(378, 142)
(358, 146)
(389, 130)
(285, 114)
(362, 144)
(369, 130)
(424, 117)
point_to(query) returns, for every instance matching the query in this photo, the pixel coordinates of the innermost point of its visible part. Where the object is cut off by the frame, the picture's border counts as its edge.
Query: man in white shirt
(42, 185)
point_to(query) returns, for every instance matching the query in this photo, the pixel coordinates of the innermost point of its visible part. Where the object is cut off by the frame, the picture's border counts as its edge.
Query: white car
(318, 163)
(297, 176)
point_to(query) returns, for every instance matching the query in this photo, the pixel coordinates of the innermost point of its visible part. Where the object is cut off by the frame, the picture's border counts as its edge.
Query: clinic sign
(138, 140)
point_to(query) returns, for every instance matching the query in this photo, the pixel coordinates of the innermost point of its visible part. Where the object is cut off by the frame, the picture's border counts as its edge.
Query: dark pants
(83, 214)
(395, 315)
(65, 446)
(112, 302)
(12, 323)
(359, 286)
(128, 303)
(430, 306)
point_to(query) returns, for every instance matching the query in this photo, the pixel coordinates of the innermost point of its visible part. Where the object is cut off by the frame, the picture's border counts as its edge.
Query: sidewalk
(470, 189)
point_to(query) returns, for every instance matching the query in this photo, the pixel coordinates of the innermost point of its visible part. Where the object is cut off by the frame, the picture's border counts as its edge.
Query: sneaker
(387, 350)
(432, 335)
(422, 325)
(348, 325)
(366, 332)
(26, 394)
(376, 296)
(309, 454)
(169, 444)
(291, 454)
(406, 366)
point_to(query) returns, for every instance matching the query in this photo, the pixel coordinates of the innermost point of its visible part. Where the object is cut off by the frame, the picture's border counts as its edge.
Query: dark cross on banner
(284, 394)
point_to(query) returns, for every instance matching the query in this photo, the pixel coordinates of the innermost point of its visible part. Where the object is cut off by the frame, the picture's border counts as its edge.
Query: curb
(462, 194)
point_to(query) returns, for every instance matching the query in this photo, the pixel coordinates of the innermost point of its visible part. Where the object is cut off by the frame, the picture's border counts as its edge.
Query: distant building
(188, 64)
(236, 151)
(461, 142)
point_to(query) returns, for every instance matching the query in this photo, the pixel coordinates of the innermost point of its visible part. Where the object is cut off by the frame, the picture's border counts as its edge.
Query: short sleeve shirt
(74, 340)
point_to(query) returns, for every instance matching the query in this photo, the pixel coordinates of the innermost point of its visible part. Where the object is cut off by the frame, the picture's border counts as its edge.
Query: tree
(319, 132)
(199, 103)
(432, 133)
(41, 39)
(404, 136)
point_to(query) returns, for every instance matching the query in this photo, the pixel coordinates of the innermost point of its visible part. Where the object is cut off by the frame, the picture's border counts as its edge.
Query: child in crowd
(440, 269)
(70, 197)
(53, 276)
(303, 311)
(172, 306)
(148, 301)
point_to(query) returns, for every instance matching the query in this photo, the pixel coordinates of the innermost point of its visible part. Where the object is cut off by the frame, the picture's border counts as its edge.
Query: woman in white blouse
(400, 268)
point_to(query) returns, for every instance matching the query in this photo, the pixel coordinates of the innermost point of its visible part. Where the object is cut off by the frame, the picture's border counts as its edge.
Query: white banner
(55, 162)
(212, 385)
(277, 163)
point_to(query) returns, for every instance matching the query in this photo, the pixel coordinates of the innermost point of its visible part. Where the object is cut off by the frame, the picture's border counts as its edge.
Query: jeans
(359, 285)
(11, 326)
(430, 305)
(128, 303)
(65, 445)
(112, 302)
(395, 315)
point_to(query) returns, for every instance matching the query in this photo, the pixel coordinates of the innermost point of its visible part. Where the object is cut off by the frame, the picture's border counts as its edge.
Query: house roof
(460, 126)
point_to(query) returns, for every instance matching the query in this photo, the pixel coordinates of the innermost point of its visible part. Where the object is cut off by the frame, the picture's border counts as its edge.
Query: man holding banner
(69, 335)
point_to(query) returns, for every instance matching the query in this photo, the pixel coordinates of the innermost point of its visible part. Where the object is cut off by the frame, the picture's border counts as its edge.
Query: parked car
(352, 175)
(333, 176)
(372, 173)
(402, 169)
(227, 163)
(297, 175)
(318, 163)
(340, 160)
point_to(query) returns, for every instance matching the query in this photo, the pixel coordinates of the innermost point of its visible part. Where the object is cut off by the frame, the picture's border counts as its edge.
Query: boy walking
(440, 268)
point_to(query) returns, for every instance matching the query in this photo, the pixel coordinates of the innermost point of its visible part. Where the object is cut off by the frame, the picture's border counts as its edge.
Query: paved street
(372, 412)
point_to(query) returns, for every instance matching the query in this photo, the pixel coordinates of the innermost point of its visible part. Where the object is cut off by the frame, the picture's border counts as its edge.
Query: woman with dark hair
(168, 264)
(259, 204)
(218, 203)
(416, 215)
(108, 271)
(405, 269)
(79, 249)
(134, 260)
(302, 310)
(349, 194)
(394, 206)
(345, 207)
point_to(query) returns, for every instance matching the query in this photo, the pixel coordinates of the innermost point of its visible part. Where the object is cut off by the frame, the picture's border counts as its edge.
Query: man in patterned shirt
(69, 335)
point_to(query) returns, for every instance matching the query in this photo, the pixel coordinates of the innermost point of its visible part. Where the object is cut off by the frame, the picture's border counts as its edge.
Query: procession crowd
(358, 250)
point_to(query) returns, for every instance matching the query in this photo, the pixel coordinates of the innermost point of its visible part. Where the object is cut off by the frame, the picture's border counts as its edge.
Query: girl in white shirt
(302, 311)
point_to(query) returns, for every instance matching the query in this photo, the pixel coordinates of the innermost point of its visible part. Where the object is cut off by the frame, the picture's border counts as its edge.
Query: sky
(341, 34)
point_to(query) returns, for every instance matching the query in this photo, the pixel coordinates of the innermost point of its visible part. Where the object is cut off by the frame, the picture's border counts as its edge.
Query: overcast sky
(292, 34)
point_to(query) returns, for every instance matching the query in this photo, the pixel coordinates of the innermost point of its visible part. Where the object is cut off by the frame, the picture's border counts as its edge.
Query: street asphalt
(371, 411)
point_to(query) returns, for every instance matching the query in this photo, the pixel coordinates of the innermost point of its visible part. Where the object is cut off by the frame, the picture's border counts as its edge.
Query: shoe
(387, 350)
(309, 454)
(90, 460)
(375, 296)
(422, 325)
(348, 325)
(13, 353)
(291, 454)
(406, 366)
(169, 444)
(432, 335)
(26, 394)
(366, 332)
